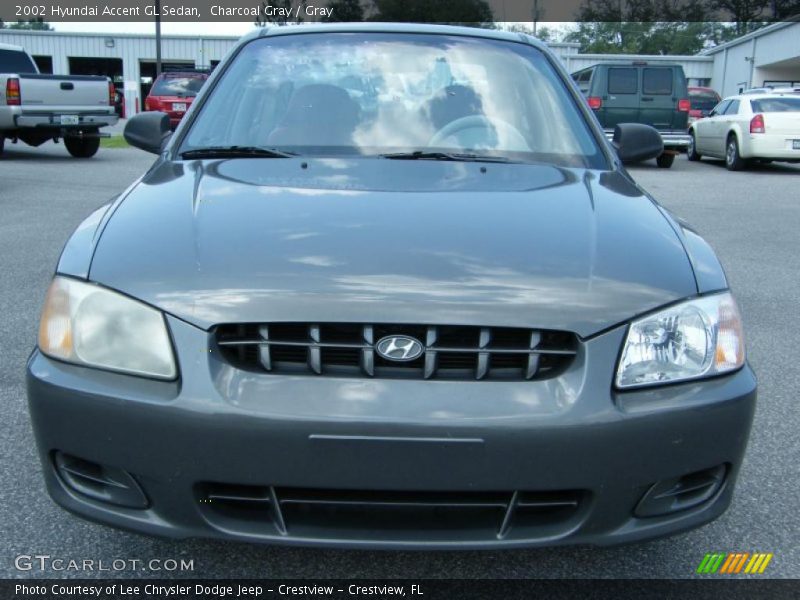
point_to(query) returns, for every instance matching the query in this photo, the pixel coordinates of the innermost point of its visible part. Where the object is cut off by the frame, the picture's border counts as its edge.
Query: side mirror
(148, 131)
(636, 142)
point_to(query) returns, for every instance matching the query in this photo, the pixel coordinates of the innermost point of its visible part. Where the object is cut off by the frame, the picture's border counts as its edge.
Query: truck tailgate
(56, 93)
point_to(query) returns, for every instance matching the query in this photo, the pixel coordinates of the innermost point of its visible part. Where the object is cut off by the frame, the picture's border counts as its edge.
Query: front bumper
(218, 425)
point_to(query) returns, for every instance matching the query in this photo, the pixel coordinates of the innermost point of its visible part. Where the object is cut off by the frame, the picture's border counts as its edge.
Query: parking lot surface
(752, 220)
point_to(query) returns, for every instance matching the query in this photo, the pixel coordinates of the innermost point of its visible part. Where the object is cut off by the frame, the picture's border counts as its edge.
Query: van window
(623, 81)
(657, 81)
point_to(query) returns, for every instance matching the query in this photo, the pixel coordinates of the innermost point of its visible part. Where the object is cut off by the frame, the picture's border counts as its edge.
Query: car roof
(11, 47)
(431, 29)
(184, 73)
(760, 95)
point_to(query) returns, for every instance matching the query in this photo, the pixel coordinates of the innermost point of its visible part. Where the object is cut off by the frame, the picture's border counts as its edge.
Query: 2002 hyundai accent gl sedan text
(389, 286)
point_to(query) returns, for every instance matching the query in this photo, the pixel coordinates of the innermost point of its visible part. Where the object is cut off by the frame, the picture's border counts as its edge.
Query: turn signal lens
(12, 92)
(595, 102)
(757, 124)
(684, 105)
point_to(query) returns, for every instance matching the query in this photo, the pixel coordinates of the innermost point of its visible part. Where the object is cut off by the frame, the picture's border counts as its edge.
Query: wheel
(733, 160)
(665, 160)
(2, 143)
(82, 147)
(691, 151)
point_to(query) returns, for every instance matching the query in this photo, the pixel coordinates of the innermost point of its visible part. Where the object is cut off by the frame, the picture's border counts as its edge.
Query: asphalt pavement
(751, 218)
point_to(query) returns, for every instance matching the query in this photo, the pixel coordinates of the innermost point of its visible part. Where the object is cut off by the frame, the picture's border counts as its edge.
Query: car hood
(375, 240)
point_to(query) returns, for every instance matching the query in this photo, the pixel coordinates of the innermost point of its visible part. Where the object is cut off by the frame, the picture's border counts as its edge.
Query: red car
(173, 93)
(702, 100)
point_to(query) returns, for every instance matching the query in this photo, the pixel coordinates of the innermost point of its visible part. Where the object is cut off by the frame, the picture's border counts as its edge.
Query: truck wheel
(691, 151)
(665, 160)
(82, 147)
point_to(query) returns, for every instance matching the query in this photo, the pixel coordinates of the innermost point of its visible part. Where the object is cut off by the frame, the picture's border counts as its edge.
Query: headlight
(86, 324)
(698, 338)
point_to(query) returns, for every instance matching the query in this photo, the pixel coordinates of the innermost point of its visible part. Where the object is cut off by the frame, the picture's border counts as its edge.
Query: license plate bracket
(179, 106)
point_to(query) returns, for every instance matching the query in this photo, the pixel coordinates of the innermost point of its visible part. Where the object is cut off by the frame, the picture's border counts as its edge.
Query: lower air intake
(390, 515)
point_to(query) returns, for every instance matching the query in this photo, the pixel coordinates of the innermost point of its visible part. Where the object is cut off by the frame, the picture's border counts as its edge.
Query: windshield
(338, 94)
(177, 86)
(768, 105)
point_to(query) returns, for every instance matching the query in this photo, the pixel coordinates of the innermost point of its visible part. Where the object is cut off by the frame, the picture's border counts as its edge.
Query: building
(128, 59)
(768, 56)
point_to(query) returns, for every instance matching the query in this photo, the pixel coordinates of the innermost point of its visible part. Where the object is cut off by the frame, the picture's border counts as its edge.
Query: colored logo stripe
(734, 562)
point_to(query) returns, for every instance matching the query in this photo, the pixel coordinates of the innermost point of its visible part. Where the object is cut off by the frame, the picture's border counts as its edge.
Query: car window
(719, 109)
(623, 81)
(583, 79)
(732, 108)
(657, 81)
(14, 61)
(766, 105)
(704, 101)
(332, 94)
(177, 86)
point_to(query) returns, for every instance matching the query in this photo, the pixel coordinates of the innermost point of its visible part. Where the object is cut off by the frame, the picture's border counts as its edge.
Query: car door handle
(67, 85)
(646, 99)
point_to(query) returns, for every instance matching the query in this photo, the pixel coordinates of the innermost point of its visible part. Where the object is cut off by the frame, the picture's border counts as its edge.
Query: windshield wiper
(451, 156)
(236, 152)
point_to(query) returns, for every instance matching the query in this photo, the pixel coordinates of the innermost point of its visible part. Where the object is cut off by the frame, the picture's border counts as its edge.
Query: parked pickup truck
(35, 108)
(638, 92)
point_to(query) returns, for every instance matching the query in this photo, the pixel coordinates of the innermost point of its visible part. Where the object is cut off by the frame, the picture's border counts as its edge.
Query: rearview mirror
(635, 142)
(148, 131)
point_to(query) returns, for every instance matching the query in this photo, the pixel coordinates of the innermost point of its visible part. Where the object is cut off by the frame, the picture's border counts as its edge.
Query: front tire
(691, 152)
(664, 161)
(82, 147)
(733, 160)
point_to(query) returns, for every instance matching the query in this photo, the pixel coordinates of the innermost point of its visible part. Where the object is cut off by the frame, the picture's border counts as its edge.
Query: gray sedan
(389, 285)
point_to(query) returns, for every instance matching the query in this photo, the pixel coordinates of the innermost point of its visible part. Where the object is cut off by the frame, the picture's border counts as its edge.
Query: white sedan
(747, 127)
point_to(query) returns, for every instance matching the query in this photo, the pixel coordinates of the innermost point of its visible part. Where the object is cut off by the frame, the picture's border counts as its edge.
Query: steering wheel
(513, 139)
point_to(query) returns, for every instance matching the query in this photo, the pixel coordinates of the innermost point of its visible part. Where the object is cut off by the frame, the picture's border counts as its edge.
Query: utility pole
(536, 14)
(158, 37)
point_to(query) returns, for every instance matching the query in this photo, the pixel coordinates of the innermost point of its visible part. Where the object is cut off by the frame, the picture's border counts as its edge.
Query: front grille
(349, 350)
(389, 515)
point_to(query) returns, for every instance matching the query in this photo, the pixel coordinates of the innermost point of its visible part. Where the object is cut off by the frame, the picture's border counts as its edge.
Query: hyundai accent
(390, 286)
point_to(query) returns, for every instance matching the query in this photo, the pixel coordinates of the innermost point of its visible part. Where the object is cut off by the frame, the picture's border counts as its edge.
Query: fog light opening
(99, 482)
(681, 493)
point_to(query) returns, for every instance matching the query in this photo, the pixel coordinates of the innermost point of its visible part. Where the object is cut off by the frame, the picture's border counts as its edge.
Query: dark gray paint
(370, 239)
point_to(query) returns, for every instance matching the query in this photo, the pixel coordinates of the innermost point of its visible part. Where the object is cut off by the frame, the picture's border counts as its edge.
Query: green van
(638, 92)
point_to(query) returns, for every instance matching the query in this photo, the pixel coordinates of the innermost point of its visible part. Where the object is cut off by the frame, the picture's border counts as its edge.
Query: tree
(665, 26)
(455, 12)
(31, 24)
(345, 11)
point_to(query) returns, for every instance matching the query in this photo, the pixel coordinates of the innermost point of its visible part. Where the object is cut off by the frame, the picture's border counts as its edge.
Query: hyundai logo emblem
(399, 348)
